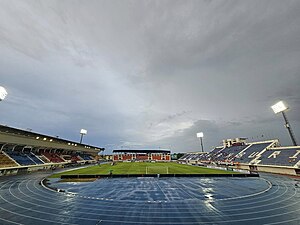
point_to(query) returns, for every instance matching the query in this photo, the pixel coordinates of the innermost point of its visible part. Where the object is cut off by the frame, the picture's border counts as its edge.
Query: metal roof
(11, 135)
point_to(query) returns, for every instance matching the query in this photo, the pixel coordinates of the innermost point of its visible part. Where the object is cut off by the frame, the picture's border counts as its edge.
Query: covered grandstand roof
(11, 135)
(141, 151)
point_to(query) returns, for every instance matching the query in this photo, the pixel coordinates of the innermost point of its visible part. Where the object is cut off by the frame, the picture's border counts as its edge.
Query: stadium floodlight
(200, 136)
(281, 107)
(3, 93)
(82, 132)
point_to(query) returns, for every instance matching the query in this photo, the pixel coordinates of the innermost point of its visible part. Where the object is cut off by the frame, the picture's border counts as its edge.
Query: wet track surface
(270, 199)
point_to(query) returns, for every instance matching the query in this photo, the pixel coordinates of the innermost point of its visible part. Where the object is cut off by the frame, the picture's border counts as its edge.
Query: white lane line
(229, 206)
(250, 195)
(239, 214)
(10, 221)
(186, 200)
(41, 212)
(284, 222)
(30, 217)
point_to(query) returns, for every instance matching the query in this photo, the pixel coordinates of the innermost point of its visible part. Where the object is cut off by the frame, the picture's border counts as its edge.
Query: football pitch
(143, 168)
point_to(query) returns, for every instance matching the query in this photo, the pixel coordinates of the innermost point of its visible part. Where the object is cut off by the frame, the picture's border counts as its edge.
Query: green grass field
(143, 168)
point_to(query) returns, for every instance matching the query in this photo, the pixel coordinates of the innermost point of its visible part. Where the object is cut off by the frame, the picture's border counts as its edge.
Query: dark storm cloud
(150, 73)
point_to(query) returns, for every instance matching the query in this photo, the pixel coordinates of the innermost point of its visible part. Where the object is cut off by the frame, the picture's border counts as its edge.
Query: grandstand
(284, 156)
(6, 161)
(141, 155)
(263, 156)
(22, 150)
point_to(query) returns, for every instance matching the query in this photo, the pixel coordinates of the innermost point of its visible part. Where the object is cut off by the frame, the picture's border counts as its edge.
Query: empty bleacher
(22, 158)
(5, 161)
(41, 157)
(228, 154)
(34, 158)
(280, 157)
(251, 152)
(86, 157)
(184, 157)
(75, 158)
(237, 153)
(53, 157)
(211, 155)
(262, 156)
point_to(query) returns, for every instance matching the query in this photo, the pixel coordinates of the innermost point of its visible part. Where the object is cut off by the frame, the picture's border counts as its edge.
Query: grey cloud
(150, 72)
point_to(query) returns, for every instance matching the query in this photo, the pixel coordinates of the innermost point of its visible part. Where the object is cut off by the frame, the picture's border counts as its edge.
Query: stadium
(211, 190)
(148, 112)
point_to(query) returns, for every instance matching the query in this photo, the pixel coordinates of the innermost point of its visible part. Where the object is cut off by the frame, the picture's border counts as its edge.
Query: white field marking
(156, 168)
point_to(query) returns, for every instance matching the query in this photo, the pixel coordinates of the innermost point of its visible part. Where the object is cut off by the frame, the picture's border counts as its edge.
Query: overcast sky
(150, 74)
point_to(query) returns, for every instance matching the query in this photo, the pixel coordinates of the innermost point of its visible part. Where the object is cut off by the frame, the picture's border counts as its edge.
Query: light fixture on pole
(280, 107)
(200, 136)
(3, 93)
(82, 132)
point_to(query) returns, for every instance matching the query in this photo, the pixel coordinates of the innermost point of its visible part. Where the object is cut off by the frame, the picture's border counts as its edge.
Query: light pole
(82, 132)
(3, 93)
(280, 107)
(200, 136)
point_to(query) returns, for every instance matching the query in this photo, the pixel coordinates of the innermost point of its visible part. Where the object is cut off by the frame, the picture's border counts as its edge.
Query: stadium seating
(228, 154)
(86, 157)
(211, 155)
(251, 152)
(75, 158)
(141, 157)
(5, 161)
(42, 158)
(263, 156)
(52, 157)
(244, 153)
(192, 157)
(184, 157)
(21, 158)
(35, 158)
(280, 157)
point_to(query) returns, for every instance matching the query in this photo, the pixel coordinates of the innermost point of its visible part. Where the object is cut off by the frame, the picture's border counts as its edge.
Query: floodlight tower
(82, 132)
(280, 107)
(3, 93)
(200, 136)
